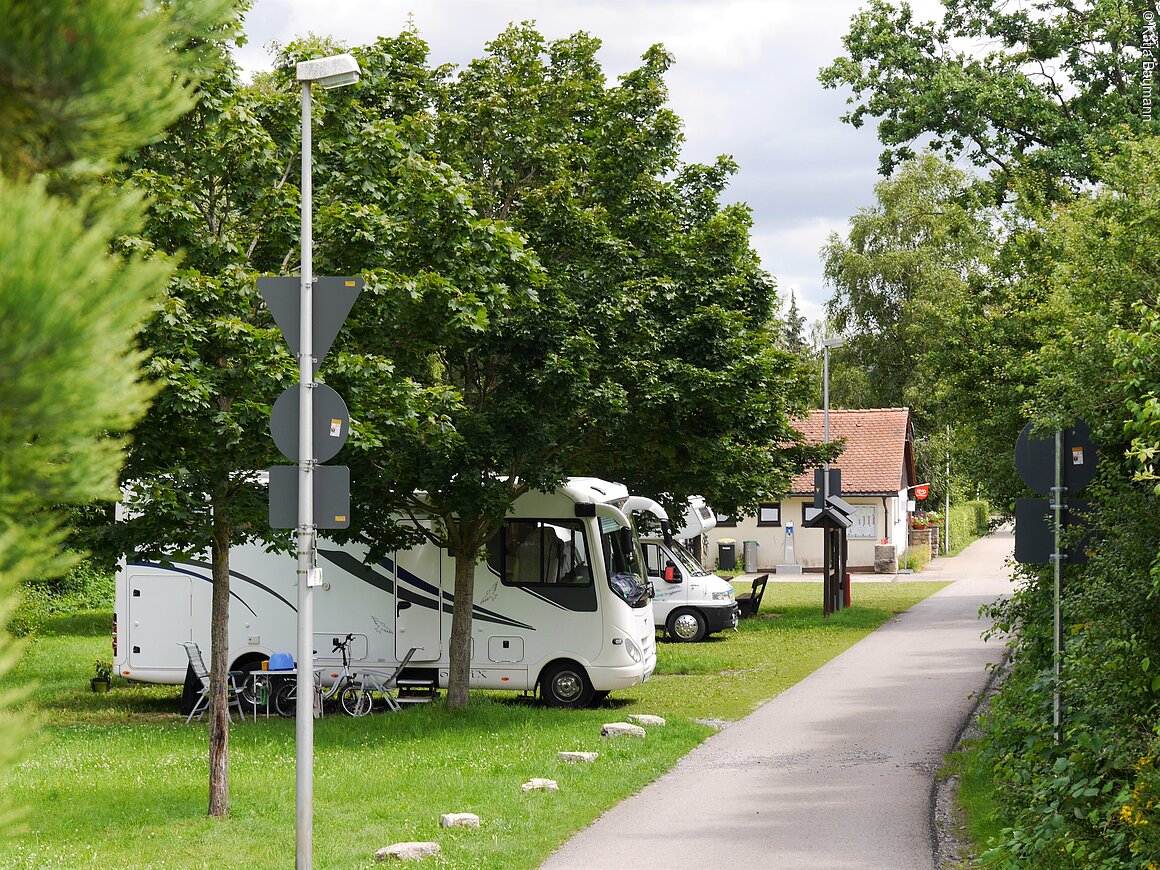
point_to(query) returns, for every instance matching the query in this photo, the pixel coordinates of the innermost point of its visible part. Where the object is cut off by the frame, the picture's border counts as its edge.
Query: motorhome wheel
(565, 684)
(687, 626)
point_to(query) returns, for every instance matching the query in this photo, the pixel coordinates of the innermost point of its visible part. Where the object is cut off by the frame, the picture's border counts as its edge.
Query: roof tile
(875, 457)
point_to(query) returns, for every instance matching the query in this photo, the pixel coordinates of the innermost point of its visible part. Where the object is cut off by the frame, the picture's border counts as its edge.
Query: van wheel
(565, 684)
(687, 626)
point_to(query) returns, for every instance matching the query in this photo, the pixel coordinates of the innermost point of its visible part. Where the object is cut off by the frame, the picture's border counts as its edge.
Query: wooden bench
(749, 602)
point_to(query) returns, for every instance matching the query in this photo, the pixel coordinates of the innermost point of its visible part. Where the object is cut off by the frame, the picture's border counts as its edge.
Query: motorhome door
(419, 603)
(159, 601)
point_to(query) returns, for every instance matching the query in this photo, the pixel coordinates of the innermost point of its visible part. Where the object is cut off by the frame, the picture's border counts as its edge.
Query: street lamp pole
(827, 343)
(832, 584)
(330, 72)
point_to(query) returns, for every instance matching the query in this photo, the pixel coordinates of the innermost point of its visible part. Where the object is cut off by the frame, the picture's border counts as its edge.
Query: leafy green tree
(222, 196)
(639, 246)
(1096, 277)
(79, 84)
(644, 352)
(906, 262)
(1029, 95)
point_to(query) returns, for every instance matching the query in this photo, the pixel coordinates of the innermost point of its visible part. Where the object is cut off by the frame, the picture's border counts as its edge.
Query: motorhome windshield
(625, 563)
(686, 560)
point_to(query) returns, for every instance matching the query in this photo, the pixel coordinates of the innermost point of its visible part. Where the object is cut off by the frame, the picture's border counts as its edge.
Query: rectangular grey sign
(331, 496)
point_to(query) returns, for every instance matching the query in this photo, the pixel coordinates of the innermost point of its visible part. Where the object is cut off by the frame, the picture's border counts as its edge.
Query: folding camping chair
(197, 665)
(372, 682)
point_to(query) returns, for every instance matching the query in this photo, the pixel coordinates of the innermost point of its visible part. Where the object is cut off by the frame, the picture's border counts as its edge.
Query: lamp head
(330, 72)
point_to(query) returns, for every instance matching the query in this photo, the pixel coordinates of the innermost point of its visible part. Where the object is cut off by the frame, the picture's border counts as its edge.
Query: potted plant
(103, 676)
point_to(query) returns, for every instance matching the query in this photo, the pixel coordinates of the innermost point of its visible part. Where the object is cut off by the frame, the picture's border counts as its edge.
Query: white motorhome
(691, 603)
(561, 604)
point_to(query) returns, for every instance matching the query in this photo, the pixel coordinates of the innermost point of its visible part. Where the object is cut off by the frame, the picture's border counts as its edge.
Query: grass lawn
(119, 781)
(979, 815)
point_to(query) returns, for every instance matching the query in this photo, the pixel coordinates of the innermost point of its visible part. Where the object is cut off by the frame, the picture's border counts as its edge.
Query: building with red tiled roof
(877, 469)
(879, 452)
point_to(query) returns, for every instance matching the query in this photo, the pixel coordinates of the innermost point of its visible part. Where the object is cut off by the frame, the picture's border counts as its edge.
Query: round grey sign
(330, 427)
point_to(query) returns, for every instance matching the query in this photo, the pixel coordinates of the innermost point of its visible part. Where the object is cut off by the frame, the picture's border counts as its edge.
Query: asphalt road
(836, 772)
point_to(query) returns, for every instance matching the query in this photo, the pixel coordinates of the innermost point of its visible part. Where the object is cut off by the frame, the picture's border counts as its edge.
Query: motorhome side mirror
(671, 574)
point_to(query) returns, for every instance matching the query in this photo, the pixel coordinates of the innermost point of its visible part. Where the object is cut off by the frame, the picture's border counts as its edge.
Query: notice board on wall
(865, 517)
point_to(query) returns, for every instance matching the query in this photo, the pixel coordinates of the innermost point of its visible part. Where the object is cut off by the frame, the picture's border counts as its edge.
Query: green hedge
(85, 587)
(969, 520)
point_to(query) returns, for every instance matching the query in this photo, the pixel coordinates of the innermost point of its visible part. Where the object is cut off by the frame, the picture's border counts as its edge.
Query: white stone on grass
(408, 852)
(621, 729)
(645, 719)
(459, 820)
(575, 757)
(538, 784)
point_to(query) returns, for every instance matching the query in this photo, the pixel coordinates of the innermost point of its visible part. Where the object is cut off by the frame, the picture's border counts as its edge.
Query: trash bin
(749, 555)
(726, 554)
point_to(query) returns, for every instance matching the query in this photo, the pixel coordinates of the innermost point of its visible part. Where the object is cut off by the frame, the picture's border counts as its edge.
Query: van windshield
(686, 560)
(625, 563)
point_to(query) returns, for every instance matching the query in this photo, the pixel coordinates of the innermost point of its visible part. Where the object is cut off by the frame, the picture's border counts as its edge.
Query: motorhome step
(417, 687)
(415, 684)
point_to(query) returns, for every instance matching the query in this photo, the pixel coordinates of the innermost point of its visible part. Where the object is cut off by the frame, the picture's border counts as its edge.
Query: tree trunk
(459, 674)
(219, 720)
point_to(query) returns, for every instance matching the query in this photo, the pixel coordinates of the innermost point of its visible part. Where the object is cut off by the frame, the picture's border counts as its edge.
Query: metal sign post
(329, 72)
(1056, 468)
(304, 714)
(1058, 494)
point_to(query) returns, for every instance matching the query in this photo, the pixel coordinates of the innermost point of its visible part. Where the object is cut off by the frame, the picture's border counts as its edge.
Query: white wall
(877, 521)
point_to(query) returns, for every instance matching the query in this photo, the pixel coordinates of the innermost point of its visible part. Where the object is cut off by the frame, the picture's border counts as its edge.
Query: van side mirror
(671, 574)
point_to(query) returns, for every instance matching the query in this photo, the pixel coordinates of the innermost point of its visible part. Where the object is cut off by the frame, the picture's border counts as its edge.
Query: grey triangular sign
(332, 300)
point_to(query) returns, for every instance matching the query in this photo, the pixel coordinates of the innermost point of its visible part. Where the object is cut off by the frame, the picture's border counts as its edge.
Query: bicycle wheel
(355, 701)
(286, 699)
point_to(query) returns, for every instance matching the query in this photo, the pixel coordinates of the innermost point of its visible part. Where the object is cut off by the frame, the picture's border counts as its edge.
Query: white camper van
(691, 603)
(561, 603)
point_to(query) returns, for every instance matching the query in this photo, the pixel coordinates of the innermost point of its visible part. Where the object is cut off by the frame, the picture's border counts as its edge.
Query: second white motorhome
(691, 603)
(562, 604)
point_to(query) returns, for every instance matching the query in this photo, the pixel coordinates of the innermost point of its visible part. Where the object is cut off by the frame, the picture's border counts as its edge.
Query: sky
(744, 83)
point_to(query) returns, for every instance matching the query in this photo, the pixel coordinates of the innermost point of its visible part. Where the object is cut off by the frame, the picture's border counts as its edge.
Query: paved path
(835, 772)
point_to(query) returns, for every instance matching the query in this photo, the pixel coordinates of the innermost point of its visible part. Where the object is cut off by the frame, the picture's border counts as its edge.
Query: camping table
(264, 688)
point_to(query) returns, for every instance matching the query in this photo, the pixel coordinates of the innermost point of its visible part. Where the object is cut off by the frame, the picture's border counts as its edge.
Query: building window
(808, 511)
(769, 513)
(724, 521)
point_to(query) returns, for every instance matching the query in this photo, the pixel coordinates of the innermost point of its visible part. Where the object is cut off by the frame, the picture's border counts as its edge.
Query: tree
(648, 325)
(1061, 325)
(1097, 266)
(1033, 108)
(906, 262)
(222, 197)
(78, 86)
(795, 325)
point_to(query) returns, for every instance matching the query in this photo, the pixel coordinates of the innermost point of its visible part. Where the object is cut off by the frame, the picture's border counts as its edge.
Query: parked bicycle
(352, 700)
